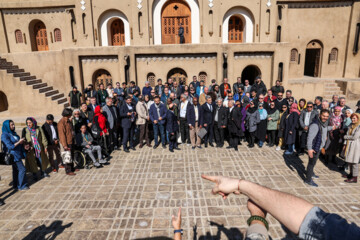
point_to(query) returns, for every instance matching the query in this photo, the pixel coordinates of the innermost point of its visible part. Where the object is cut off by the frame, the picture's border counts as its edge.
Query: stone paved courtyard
(134, 196)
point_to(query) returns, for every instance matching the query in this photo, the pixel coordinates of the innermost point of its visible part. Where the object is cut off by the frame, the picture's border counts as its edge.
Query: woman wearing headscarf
(100, 120)
(302, 104)
(36, 155)
(333, 141)
(14, 145)
(347, 119)
(272, 120)
(351, 148)
(291, 123)
(251, 121)
(281, 126)
(261, 127)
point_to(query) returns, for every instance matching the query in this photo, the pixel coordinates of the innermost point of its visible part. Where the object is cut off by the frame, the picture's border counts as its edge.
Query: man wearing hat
(52, 136)
(74, 98)
(259, 86)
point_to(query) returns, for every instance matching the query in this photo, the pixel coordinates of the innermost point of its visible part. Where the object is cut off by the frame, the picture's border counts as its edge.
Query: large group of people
(104, 120)
(108, 119)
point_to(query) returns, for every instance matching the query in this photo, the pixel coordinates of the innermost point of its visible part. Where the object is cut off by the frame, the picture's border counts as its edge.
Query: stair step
(9, 67)
(32, 82)
(62, 100)
(66, 105)
(15, 70)
(45, 89)
(21, 74)
(39, 85)
(51, 93)
(3, 62)
(57, 96)
(26, 78)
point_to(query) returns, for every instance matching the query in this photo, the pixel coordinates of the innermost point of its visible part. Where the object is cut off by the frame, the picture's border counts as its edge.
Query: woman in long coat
(234, 125)
(281, 126)
(272, 119)
(333, 144)
(261, 127)
(291, 122)
(36, 155)
(351, 147)
(252, 119)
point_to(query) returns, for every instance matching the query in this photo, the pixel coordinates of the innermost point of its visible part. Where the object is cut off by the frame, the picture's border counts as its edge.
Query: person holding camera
(13, 145)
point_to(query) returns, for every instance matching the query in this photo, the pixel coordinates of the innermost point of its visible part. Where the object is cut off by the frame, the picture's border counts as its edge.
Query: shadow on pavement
(43, 232)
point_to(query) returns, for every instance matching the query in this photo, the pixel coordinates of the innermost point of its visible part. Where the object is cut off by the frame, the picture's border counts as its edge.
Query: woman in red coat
(100, 119)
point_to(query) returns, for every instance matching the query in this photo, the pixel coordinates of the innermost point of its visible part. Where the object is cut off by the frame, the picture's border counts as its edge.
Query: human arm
(176, 223)
(6, 139)
(301, 120)
(286, 208)
(313, 130)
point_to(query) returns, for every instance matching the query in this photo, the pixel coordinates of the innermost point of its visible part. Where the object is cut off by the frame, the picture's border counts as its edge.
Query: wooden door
(178, 75)
(117, 33)
(173, 14)
(102, 77)
(235, 30)
(41, 37)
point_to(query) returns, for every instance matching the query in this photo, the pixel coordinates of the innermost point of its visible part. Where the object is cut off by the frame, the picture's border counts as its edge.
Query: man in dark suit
(237, 85)
(259, 86)
(220, 122)
(111, 114)
(157, 114)
(52, 137)
(92, 105)
(172, 127)
(234, 126)
(207, 120)
(159, 89)
(128, 115)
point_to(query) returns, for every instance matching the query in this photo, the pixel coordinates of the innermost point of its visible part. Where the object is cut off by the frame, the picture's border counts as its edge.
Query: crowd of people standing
(104, 120)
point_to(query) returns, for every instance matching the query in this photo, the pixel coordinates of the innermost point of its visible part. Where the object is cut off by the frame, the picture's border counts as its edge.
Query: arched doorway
(313, 59)
(175, 13)
(236, 29)
(4, 105)
(117, 33)
(178, 75)
(40, 35)
(101, 76)
(250, 73)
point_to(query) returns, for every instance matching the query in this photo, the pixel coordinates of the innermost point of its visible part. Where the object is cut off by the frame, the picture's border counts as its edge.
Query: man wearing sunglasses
(280, 101)
(306, 118)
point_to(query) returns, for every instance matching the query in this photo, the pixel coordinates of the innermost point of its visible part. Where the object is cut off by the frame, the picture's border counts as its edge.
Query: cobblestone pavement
(135, 196)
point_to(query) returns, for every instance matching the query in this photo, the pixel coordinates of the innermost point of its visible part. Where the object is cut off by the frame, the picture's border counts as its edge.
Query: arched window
(333, 55)
(151, 79)
(202, 76)
(57, 35)
(294, 55)
(18, 36)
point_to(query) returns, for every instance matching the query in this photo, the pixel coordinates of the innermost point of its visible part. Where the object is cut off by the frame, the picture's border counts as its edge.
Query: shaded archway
(101, 76)
(105, 24)
(178, 75)
(175, 14)
(313, 58)
(38, 36)
(250, 73)
(4, 105)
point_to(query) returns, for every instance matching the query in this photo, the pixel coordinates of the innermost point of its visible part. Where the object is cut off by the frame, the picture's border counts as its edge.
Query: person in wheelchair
(85, 141)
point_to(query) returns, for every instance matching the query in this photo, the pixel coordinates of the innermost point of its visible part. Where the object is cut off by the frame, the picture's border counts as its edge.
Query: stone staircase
(332, 88)
(31, 80)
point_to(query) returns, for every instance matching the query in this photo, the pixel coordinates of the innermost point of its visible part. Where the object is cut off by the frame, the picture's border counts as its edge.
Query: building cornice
(316, 4)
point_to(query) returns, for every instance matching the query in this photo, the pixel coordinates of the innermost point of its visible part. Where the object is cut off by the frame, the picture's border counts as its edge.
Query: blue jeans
(159, 127)
(321, 225)
(19, 175)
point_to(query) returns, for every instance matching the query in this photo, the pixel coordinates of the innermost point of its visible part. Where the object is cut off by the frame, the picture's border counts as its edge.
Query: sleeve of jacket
(295, 122)
(151, 114)
(62, 134)
(190, 115)
(257, 117)
(301, 119)
(139, 112)
(5, 138)
(164, 111)
(123, 112)
(43, 138)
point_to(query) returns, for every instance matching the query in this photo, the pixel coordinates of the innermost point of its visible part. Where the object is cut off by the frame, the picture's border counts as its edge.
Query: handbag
(202, 133)
(66, 157)
(9, 159)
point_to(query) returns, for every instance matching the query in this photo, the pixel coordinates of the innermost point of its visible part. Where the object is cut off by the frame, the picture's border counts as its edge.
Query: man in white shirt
(184, 126)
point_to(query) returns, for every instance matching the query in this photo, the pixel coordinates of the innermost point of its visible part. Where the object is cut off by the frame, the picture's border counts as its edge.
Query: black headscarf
(271, 110)
(252, 109)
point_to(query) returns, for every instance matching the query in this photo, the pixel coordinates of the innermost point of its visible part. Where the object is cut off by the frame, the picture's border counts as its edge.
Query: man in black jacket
(207, 120)
(259, 87)
(52, 137)
(277, 88)
(280, 101)
(220, 122)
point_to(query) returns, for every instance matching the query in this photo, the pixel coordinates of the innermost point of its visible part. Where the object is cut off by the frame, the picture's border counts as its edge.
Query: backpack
(95, 128)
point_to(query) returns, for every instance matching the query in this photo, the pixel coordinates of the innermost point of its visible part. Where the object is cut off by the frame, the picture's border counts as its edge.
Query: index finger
(179, 213)
(210, 178)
